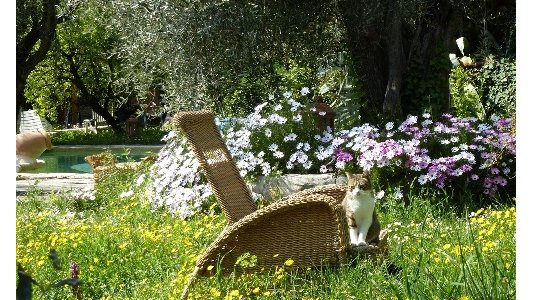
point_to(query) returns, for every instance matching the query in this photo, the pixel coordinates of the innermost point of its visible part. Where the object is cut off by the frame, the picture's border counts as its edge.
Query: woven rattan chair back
(215, 160)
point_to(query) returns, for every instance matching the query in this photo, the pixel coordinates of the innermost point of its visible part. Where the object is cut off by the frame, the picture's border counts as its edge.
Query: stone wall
(284, 185)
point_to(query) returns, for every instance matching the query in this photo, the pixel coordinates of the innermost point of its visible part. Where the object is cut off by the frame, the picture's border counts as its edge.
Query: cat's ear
(366, 174)
(349, 175)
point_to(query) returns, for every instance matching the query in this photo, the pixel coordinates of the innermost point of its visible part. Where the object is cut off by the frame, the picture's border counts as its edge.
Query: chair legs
(185, 292)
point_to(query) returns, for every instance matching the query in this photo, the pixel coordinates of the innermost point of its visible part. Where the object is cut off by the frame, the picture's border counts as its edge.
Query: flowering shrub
(460, 150)
(174, 180)
(275, 138)
(279, 137)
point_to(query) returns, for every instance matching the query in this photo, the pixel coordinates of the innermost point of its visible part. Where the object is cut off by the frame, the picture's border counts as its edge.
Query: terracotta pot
(33, 144)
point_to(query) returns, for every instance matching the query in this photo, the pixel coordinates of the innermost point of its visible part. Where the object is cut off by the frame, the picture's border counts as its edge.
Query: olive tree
(36, 23)
(199, 50)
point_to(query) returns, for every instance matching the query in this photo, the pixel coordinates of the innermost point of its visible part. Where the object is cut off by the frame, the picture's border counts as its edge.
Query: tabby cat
(359, 204)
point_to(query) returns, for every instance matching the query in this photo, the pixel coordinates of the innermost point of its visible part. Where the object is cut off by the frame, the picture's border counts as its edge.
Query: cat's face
(359, 184)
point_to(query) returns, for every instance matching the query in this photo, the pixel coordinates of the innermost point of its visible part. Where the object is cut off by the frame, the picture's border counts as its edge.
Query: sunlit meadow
(139, 234)
(126, 250)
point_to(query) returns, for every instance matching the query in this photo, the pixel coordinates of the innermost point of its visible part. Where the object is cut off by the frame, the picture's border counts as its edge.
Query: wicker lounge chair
(308, 227)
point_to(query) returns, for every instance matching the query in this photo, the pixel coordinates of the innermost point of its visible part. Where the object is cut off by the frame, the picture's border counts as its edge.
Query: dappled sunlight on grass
(126, 249)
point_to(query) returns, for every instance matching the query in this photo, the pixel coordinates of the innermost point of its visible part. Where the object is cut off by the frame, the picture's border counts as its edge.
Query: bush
(465, 97)
(485, 91)
(460, 154)
(145, 136)
(456, 155)
(278, 137)
(498, 79)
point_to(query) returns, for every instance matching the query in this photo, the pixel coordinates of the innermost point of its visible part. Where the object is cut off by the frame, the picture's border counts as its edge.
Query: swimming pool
(71, 159)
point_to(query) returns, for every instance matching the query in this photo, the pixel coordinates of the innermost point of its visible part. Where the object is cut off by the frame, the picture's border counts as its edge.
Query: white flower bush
(174, 180)
(277, 137)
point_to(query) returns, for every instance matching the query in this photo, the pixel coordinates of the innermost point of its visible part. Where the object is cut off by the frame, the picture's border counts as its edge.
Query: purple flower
(466, 168)
(407, 148)
(343, 156)
(457, 172)
(503, 122)
(411, 120)
(500, 181)
(447, 115)
(487, 183)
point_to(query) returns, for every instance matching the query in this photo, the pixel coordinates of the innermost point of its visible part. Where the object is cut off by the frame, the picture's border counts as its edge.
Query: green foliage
(246, 260)
(485, 91)
(225, 54)
(293, 75)
(426, 85)
(150, 135)
(29, 12)
(82, 65)
(344, 94)
(47, 95)
(333, 84)
(111, 182)
(25, 281)
(498, 79)
(465, 97)
(244, 94)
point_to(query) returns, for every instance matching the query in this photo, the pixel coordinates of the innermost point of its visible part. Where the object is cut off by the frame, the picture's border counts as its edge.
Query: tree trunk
(27, 57)
(383, 46)
(100, 110)
(367, 52)
(88, 98)
(392, 106)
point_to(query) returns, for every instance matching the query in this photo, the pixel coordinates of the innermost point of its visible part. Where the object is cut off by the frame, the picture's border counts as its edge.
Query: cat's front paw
(361, 243)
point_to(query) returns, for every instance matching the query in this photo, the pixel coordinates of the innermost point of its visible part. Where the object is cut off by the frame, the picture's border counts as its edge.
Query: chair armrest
(310, 230)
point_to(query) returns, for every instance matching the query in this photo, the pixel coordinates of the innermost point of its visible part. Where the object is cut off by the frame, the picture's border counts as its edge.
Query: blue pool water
(72, 159)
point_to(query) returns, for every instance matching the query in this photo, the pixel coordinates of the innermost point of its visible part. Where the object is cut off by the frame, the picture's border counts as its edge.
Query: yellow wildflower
(456, 249)
(289, 262)
(215, 292)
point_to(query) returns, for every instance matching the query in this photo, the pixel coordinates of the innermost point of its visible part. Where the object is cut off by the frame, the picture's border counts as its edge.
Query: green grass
(127, 250)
